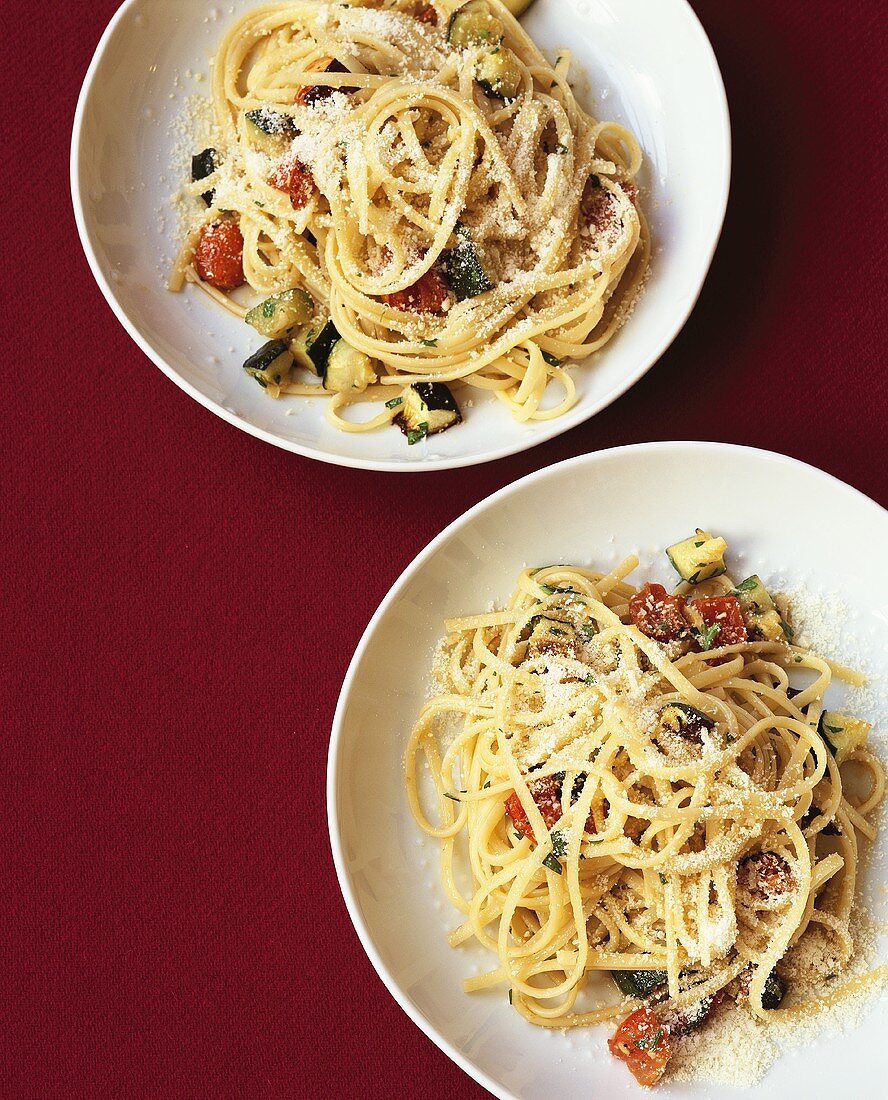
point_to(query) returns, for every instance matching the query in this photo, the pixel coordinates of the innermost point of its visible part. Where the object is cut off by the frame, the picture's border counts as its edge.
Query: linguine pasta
(454, 231)
(668, 808)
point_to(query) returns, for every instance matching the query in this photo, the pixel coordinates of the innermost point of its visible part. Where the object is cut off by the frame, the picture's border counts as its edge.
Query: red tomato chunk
(642, 1042)
(723, 612)
(219, 256)
(427, 295)
(657, 614)
(295, 180)
(546, 793)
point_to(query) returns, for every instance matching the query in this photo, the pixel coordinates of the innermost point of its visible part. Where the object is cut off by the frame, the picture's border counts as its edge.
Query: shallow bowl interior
(593, 511)
(647, 65)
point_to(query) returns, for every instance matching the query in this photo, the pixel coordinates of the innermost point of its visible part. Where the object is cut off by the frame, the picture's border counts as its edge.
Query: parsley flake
(649, 1042)
(417, 436)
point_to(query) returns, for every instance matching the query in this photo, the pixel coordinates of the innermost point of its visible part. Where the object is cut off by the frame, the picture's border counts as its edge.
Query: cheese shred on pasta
(636, 805)
(410, 162)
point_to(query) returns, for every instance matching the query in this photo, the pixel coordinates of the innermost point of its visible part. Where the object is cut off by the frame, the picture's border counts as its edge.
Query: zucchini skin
(202, 165)
(462, 266)
(261, 362)
(427, 409)
(774, 991)
(272, 123)
(322, 345)
(638, 983)
(436, 396)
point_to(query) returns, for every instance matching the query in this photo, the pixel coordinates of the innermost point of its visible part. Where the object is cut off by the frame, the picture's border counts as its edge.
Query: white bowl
(649, 65)
(789, 522)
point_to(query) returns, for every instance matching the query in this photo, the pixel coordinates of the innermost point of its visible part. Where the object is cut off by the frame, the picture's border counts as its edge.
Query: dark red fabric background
(172, 661)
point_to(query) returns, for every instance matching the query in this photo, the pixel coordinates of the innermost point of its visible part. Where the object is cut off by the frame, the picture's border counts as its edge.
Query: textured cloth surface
(172, 667)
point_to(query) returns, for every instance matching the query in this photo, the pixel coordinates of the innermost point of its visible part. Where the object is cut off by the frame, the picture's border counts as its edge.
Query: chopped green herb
(707, 636)
(555, 630)
(510, 996)
(452, 797)
(698, 544)
(429, 343)
(649, 1042)
(486, 785)
(745, 586)
(552, 863)
(787, 629)
(561, 149)
(258, 203)
(590, 680)
(417, 436)
(663, 878)
(394, 403)
(553, 589)
(588, 630)
(559, 843)
(519, 836)
(797, 659)
(551, 359)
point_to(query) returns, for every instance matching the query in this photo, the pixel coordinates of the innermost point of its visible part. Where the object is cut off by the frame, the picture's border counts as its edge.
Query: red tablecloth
(171, 922)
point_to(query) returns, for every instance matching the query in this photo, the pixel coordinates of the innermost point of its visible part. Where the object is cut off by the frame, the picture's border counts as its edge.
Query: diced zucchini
(698, 558)
(760, 613)
(474, 24)
(269, 131)
(300, 345)
(753, 595)
(321, 346)
(841, 733)
(774, 991)
(347, 369)
(202, 165)
(427, 408)
(463, 269)
(271, 364)
(684, 720)
(768, 627)
(499, 74)
(638, 983)
(278, 314)
(546, 630)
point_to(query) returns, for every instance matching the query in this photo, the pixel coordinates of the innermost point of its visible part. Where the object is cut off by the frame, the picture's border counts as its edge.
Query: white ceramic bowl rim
(543, 430)
(364, 935)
